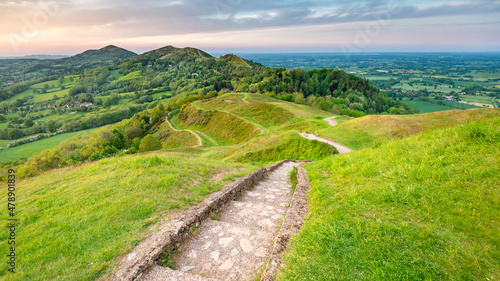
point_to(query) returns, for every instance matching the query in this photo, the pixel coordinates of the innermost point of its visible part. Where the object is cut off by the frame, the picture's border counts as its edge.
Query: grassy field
(425, 107)
(27, 150)
(420, 87)
(53, 90)
(77, 222)
(159, 95)
(423, 208)
(130, 76)
(476, 99)
(48, 96)
(459, 105)
(116, 73)
(26, 93)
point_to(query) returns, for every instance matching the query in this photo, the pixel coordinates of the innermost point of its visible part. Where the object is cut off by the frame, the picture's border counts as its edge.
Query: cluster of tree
(74, 124)
(126, 137)
(332, 90)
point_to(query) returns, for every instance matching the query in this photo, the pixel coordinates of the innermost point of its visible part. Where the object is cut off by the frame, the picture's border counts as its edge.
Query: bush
(149, 143)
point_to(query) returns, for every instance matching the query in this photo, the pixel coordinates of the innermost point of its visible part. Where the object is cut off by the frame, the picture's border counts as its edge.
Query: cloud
(84, 21)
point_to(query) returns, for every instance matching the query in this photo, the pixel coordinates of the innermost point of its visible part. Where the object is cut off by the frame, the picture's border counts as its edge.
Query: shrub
(149, 143)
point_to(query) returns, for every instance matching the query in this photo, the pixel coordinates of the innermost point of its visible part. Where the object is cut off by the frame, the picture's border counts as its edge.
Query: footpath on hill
(236, 243)
(341, 149)
(200, 142)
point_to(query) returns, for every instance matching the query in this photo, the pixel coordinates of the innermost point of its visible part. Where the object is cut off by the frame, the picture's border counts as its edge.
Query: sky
(68, 27)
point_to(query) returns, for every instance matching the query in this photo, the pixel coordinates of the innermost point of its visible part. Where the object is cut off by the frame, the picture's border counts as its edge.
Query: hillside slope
(98, 210)
(372, 130)
(423, 208)
(74, 223)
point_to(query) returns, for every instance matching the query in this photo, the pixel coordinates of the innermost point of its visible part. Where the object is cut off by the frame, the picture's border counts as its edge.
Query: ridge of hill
(93, 58)
(25, 69)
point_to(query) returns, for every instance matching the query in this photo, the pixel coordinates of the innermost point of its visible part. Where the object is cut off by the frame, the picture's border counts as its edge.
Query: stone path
(238, 242)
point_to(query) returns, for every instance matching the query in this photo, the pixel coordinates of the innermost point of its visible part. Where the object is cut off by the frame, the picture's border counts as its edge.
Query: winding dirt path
(200, 142)
(331, 121)
(236, 243)
(341, 149)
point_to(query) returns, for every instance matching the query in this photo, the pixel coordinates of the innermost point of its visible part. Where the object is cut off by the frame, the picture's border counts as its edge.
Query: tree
(15, 134)
(149, 143)
(28, 123)
(2, 118)
(321, 104)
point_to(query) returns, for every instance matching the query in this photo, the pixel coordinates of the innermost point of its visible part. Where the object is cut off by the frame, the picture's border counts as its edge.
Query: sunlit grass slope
(288, 145)
(75, 223)
(371, 130)
(422, 208)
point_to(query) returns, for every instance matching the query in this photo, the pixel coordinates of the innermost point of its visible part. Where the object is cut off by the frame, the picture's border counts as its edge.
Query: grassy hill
(74, 229)
(399, 208)
(24, 69)
(422, 208)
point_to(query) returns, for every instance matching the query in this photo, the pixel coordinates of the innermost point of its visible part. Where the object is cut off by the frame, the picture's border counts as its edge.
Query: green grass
(4, 143)
(18, 96)
(375, 77)
(420, 87)
(476, 99)
(50, 93)
(423, 208)
(225, 127)
(425, 107)
(289, 145)
(130, 76)
(76, 223)
(116, 74)
(159, 95)
(263, 114)
(27, 150)
(293, 178)
(457, 105)
(48, 96)
(174, 139)
(371, 130)
(60, 116)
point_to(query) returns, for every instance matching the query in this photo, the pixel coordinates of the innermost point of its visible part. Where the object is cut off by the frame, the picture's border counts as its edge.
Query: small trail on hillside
(341, 149)
(200, 142)
(331, 121)
(245, 62)
(262, 129)
(236, 243)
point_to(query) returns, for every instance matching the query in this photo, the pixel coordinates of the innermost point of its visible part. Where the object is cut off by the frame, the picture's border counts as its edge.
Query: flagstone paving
(235, 244)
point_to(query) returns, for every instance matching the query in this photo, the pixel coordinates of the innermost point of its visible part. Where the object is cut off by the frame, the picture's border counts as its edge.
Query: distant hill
(93, 58)
(38, 57)
(39, 66)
